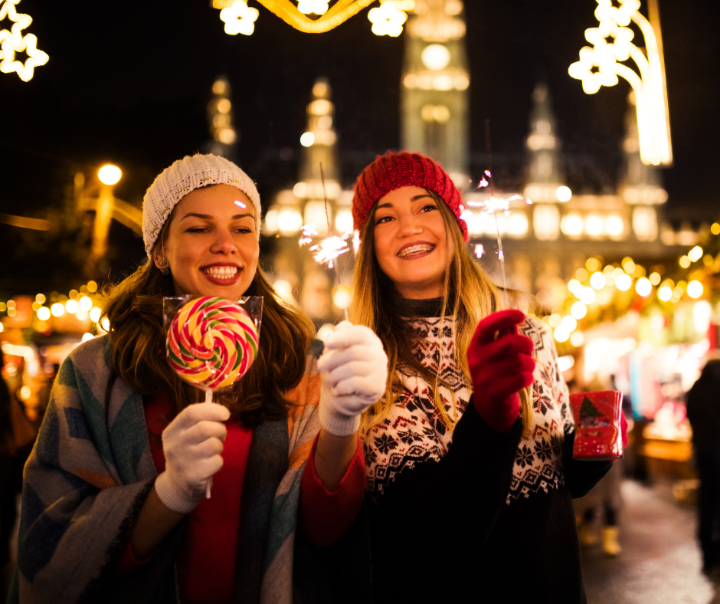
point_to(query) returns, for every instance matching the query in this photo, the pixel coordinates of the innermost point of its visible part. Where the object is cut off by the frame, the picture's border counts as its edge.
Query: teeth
(416, 248)
(221, 272)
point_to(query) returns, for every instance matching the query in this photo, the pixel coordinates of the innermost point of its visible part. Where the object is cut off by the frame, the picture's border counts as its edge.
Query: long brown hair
(467, 291)
(134, 310)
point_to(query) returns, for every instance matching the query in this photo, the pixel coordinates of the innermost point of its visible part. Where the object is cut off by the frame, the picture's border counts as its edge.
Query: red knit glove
(501, 365)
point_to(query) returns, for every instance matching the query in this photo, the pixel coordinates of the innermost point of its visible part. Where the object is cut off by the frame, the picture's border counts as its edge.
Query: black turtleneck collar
(431, 307)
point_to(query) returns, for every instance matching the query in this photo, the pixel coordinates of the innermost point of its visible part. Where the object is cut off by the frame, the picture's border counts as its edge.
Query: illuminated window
(546, 222)
(644, 223)
(594, 225)
(315, 213)
(435, 57)
(572, 224)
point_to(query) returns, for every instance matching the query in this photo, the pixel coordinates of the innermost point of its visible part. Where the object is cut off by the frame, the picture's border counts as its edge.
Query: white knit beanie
(184, 176)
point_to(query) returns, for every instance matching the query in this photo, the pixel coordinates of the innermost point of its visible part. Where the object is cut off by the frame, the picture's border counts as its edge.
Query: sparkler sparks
(493, 206)
(328, 249)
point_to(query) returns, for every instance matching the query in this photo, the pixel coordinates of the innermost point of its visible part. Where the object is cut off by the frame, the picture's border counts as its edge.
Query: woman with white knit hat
(113, 503)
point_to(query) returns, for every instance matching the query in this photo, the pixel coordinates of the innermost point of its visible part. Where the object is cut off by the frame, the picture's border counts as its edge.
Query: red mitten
(501, 365)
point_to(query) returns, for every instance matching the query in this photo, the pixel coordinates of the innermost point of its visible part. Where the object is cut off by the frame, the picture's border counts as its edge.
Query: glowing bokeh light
(643, 287)
(623, 282)
(695, 289)
(578, 310)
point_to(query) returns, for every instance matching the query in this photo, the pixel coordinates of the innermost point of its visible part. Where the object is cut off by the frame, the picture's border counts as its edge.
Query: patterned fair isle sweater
(474, 514)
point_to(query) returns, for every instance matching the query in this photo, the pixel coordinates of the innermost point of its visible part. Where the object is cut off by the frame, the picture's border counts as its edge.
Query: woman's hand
(354, 374)
(193, 444)
(501, 364)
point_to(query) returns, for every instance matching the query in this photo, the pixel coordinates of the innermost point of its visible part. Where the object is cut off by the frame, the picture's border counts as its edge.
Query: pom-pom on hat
(182, 177)
(394, 170)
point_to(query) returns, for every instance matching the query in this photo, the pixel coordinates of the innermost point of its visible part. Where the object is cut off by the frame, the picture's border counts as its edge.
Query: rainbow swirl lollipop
(211, 343)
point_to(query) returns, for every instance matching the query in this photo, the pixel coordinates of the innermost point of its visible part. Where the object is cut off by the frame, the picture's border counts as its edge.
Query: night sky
(129, 83)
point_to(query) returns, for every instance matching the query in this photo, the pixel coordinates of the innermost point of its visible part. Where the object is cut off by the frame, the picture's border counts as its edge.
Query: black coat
(443, 532)
(703, 409)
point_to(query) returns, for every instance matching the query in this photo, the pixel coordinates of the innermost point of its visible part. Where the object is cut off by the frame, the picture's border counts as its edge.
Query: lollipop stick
(208, 486)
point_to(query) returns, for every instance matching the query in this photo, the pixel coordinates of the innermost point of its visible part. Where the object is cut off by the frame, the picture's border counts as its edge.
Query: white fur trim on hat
(184, 176)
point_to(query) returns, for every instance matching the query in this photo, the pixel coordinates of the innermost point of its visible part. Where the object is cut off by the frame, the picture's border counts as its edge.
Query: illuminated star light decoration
(13, 41)
(601, 64)
(387, 19)
(239, 18)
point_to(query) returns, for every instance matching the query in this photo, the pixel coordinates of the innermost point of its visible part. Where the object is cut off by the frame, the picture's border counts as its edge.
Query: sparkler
(493, 206)
(326, 251)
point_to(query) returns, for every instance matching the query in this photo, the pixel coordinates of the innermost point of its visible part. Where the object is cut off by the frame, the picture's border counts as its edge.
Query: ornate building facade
(545, 242)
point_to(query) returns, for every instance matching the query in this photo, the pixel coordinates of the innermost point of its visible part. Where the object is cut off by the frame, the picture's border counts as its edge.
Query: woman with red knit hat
(469, 469)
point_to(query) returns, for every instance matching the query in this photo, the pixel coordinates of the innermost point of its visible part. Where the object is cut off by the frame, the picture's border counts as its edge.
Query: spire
(434, 89)
(318, 143)
(220, 118)
(545, 175)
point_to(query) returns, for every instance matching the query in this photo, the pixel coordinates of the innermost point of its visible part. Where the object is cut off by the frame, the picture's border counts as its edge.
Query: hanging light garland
(80, 303)
(13, 41)
(387, 19)
(594, 288)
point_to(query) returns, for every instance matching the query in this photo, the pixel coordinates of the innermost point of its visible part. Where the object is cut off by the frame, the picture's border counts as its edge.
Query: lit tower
(220, 118)
(295, 272)
(434, 89)
(544, 169)
(641, 184)
(318, 143)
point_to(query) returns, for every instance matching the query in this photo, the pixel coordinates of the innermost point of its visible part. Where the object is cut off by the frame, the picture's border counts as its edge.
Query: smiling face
(411, 242)
(212, 246)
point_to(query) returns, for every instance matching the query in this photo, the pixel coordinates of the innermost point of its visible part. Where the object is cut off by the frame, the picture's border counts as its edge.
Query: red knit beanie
(394, 170)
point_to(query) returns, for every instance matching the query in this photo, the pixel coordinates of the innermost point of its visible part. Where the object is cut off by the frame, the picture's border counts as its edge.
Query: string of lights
(595, 288)
(387, 19)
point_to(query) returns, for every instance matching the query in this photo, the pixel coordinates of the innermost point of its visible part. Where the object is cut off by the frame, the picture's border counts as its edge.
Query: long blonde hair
(467, 291)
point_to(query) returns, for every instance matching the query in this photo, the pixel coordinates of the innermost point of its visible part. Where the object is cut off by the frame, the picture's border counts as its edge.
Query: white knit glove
(192, 443)
(354, 374)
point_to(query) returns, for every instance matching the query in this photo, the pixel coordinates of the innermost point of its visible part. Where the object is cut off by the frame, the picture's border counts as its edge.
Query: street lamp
(109, 174)
(601, 64)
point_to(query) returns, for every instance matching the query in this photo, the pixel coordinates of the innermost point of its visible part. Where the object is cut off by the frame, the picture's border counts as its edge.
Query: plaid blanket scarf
(91, 469)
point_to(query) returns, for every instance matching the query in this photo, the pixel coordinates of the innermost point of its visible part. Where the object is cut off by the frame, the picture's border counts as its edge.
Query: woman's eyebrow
(387, 204)
(196, 215)
(209, 217)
